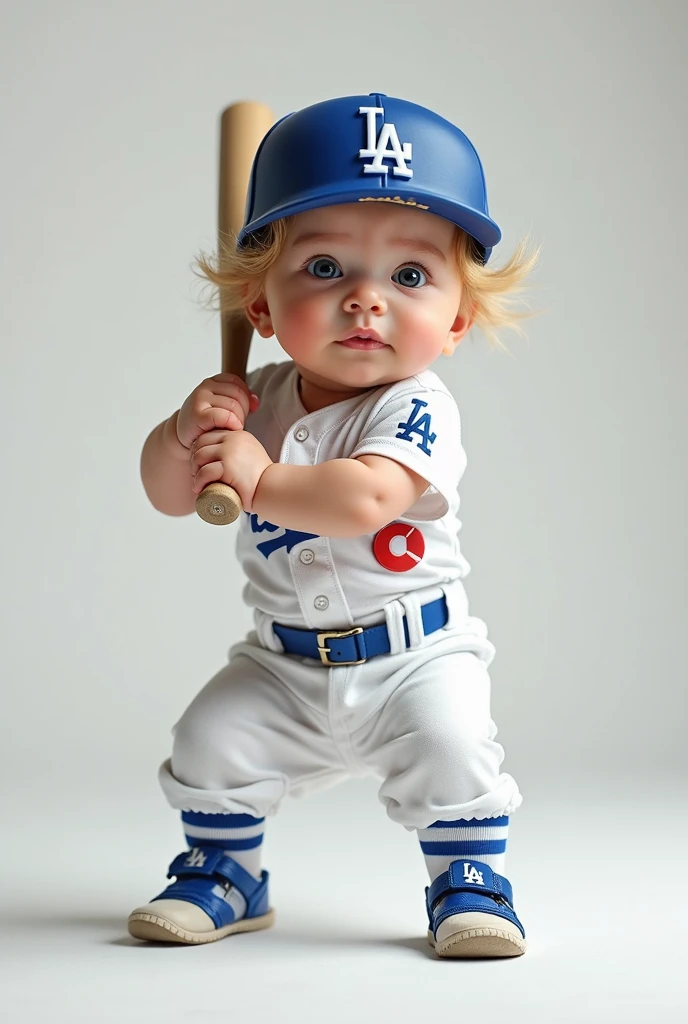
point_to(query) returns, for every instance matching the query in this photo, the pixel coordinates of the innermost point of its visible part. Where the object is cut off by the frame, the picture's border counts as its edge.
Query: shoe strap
(211, 862)
(470, 876)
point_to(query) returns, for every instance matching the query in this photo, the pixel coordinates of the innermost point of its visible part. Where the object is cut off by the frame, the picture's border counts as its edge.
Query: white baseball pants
(271, 724)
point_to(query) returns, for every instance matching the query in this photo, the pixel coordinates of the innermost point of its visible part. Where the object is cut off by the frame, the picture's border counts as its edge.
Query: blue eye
(324, 268)
(410, 277)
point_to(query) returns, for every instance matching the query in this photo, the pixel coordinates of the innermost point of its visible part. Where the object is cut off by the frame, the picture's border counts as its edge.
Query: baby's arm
(339, 498)
(165, 471)
(223, 402)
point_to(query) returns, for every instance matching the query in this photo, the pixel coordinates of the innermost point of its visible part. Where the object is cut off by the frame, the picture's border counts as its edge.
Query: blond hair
(488, 295)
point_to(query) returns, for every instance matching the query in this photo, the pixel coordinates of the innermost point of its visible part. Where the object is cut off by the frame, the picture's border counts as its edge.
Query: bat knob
(218, 504)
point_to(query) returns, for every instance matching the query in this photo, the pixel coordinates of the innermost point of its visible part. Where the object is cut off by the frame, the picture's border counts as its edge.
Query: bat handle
(218, 504)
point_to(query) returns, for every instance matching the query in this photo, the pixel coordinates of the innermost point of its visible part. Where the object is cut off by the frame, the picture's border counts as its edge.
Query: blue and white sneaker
(471, 913)
(212, 896)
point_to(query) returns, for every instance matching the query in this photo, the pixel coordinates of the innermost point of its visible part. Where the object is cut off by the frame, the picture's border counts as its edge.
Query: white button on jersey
(307, 556)
(321, 603)
(301, 433)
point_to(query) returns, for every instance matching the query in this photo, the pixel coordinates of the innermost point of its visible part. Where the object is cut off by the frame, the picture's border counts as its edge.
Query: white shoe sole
(477, 935)
(154, 928)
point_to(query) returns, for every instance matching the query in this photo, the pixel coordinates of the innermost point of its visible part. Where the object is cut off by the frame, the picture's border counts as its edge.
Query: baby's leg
(244, 742)
(434, 747)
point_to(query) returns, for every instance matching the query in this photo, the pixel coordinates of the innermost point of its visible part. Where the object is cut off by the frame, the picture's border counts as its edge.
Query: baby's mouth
(362, 339)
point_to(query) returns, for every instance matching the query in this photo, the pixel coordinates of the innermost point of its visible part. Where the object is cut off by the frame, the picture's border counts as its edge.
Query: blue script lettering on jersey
(286, 540)
(418, 424)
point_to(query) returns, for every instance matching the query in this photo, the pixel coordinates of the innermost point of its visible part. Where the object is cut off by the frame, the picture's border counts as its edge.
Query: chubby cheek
(424, 332)
(301, 321)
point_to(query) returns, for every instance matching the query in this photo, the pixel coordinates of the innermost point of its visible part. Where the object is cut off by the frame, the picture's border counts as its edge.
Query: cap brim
(474, 223)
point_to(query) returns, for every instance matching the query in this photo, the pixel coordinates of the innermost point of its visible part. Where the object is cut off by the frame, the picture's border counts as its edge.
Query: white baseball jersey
(302, 579)
(418, 718)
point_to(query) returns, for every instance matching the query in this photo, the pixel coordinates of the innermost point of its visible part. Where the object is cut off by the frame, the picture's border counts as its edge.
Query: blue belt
(354, 646)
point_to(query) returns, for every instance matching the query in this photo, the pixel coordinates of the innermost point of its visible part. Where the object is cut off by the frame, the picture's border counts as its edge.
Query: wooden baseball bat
(242, 128)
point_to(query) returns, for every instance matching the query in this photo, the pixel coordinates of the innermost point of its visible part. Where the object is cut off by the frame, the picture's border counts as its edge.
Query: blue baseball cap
(371, 148)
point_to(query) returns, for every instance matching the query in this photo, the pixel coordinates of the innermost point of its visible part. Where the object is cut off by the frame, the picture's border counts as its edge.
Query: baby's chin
(351, 377)
(377, 379)
(364, 371)
(359, 378)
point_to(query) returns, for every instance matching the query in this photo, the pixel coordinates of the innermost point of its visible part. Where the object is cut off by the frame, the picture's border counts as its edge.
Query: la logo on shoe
(471, 874)
(196, 858)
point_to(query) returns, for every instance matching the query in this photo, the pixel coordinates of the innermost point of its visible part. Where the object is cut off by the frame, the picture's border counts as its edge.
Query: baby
(364, 253)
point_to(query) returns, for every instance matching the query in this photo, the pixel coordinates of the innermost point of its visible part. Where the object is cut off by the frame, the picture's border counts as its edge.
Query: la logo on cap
(386, 145)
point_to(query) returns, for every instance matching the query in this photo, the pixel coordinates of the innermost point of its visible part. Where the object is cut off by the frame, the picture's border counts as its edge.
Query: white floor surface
(600, 890)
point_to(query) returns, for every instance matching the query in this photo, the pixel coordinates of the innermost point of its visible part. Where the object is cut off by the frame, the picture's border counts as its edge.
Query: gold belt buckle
(324, 651)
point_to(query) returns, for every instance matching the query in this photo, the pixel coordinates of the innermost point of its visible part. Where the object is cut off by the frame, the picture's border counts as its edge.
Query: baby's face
(364, 294)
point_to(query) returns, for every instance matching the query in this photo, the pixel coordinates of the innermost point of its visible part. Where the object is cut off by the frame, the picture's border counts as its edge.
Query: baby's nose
(365, 299)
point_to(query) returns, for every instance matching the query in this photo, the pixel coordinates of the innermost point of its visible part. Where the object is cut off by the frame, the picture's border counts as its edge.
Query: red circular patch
(415, 547)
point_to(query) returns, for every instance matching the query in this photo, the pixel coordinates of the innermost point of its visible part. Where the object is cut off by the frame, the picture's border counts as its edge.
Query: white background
(574, 504)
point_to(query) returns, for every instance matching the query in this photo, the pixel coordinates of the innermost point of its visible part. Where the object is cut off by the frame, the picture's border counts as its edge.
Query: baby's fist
(221, 402)
(235, 457)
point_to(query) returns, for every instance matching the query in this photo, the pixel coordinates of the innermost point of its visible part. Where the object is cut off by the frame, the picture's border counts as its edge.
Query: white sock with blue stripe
(478, 839)
(240, 835)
